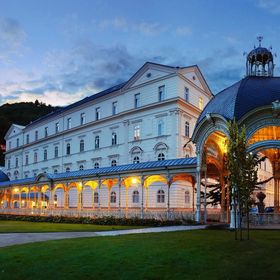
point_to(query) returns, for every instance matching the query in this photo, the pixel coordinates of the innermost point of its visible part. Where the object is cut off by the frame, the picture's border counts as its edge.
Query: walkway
(8, 239)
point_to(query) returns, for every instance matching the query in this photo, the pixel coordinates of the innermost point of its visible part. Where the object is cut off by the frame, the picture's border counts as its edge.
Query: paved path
(8, 239)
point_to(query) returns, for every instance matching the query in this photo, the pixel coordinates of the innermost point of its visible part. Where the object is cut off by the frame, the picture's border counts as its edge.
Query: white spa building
(148, 119)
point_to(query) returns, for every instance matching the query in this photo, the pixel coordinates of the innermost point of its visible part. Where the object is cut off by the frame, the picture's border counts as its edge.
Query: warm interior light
(16, 190)
(134, 180)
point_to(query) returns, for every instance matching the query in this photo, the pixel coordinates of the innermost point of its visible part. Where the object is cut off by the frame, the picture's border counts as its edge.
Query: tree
(242, 168)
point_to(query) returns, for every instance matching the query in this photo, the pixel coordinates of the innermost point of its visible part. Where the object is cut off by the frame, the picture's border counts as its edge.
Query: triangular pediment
(149, 72)
(193, 74)
(13, 130)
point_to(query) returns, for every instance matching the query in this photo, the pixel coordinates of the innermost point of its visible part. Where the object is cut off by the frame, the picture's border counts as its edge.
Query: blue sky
(59, 51)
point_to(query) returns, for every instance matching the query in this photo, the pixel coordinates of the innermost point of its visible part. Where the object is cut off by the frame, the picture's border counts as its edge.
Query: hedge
(108, 220)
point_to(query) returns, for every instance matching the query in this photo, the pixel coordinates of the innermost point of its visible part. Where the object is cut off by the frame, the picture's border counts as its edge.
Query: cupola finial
(260, 38)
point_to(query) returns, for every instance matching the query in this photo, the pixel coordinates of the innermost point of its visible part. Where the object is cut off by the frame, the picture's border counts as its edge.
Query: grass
(204, 254)
(19, 226)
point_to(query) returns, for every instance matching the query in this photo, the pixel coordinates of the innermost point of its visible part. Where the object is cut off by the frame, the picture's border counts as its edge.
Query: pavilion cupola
(260, 61)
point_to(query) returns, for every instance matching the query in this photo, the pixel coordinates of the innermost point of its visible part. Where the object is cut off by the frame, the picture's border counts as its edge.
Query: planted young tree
(242, 168)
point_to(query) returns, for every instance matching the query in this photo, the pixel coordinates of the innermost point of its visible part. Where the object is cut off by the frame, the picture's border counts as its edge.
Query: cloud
(183, 31)
(12, 37)
(122, 24)
(273, 6)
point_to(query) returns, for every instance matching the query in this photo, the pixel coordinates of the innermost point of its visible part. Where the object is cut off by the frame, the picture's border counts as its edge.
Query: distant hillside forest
(19, 113)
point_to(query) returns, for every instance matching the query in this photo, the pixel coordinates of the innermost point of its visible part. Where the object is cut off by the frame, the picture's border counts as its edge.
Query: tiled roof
(169, 163)
(244, 96)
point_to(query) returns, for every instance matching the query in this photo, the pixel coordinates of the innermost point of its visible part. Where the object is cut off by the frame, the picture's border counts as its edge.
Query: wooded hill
(20, 113)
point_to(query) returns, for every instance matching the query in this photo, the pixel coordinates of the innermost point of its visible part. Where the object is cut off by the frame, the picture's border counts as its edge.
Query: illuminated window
(135, 197)
(187, 129)
(161, 93)
(200, 103)
(160, 196)
(137, 132)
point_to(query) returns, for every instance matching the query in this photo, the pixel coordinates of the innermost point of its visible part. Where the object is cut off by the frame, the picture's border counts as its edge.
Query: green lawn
(204, 254)
(19, 226)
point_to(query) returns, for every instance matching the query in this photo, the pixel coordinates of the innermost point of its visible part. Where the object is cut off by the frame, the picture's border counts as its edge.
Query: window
(114, 108)
(16, 162)
(136, 159)
(35, 157)
(57, 127)
(96, 197)
(36, 135)
(10, 145)
(161, 156)
(160, 128)
(135, 197)
(187, 95)
(55, 171)
(113, 197)
(113, 162)
(161, 93)
(114, 138)
(160, 196)
(68, 149)
(27, 139)
(17, 142)
(83, 118)
(67, 169)
(137, 100)
(97, 113)
(45, 154)
(96, 165)
(56, 151)
(137, 132)
(82, 145)
(81, 167)
(200, 103)
(187, 197)
(46, 131)
(9, 164)
(69, 123)
(187, 129)
(96, 142)
(26, 159)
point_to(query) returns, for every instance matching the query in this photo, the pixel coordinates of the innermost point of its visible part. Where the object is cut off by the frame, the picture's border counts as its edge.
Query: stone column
(276, 195)
(99, 194)
(142, 196)
(119, 185)
(66, 197)
(168, 195)
(198, 199)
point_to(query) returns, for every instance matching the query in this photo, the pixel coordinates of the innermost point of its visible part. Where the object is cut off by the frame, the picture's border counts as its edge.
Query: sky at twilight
(59, 51)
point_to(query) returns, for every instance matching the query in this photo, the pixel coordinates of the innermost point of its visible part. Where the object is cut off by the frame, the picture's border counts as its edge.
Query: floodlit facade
(149, 118)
